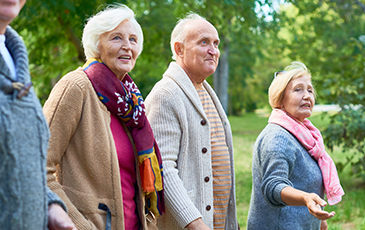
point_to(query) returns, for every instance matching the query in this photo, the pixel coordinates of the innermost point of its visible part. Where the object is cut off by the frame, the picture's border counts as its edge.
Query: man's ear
(179, 48)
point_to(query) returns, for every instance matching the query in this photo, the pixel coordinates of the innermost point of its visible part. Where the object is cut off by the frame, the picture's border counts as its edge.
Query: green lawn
(350, 212)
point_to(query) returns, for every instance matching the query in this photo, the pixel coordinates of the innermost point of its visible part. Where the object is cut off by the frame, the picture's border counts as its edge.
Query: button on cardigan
(175, 111)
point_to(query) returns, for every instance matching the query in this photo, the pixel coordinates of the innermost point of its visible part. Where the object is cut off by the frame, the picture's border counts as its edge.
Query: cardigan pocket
(95, 210)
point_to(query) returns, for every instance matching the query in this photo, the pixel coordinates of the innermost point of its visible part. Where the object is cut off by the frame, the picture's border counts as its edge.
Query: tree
(328, 37)
(52, 32)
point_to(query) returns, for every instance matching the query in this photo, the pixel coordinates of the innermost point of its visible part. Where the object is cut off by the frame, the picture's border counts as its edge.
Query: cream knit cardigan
(177, 118)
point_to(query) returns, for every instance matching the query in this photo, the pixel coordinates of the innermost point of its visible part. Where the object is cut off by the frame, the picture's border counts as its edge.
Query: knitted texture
(220, 160)
(82, 162)
(176, 116)
(23, 146)
(278, 161)
(310, 137)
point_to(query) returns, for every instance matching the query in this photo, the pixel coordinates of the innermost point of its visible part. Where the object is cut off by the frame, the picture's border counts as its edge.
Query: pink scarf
(311, 138)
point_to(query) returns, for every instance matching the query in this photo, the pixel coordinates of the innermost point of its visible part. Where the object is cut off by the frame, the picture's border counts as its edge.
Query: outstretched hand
(314, 204)
(58, 219)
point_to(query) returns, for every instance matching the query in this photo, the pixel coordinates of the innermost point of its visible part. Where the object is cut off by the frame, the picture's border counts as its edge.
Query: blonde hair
(277, 88)
(179, 33)
(105, 21)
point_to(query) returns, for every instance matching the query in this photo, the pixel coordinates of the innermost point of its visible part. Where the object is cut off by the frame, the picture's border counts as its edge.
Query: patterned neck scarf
(310, 137)
(125, 100)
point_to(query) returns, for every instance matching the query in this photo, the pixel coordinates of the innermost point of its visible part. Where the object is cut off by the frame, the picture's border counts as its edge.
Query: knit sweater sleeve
(165, 112)
(277, 157)
(53, 198)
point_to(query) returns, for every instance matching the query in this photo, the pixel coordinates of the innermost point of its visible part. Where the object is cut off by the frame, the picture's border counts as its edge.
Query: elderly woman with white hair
(291, 170)
(103, 160)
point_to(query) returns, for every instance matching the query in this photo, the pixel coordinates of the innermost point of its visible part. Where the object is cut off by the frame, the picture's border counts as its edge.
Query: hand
(197, 224)
(324, 225)
(17, 85)
(58, 219)
(314, 204)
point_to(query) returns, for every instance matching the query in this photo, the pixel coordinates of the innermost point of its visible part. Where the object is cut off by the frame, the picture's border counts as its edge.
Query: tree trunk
(220, 77)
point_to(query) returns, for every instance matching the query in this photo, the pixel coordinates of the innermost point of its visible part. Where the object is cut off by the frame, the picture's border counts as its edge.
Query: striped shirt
(220, 160)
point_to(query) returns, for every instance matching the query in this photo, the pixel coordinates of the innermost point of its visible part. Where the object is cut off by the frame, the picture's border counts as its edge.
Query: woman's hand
(58, 219)
(314, 204)
(197, 224)
(312, 201)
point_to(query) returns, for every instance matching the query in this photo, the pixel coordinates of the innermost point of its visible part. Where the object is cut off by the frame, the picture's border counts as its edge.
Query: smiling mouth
(124, 58)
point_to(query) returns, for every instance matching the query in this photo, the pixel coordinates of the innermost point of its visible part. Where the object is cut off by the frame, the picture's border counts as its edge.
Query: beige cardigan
(82, 163)
(182, 131)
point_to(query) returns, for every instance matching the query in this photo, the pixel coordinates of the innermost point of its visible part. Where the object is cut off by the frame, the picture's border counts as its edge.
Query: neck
(196, 80)
(3, 26)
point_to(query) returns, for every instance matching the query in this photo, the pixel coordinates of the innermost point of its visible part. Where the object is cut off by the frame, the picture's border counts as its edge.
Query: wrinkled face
(199, 55)
(119, 49)
(298, 98)
(9, 9)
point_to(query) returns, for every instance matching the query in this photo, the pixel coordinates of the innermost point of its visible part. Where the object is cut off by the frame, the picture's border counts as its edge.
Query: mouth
(125, 58)
(210, 60)
(306, 106)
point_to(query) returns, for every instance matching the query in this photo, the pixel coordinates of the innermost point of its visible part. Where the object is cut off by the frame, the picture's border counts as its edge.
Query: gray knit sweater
(279, 160)
(24, 196)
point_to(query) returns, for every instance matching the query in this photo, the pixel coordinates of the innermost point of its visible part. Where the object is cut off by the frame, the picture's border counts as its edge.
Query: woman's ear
(179, 49)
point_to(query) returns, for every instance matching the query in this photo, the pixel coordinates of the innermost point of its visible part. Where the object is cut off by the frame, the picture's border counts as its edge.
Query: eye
(216, 43)
(133, 39)
(310, 90)
(297, 89)
(116, 38)
(204, 42)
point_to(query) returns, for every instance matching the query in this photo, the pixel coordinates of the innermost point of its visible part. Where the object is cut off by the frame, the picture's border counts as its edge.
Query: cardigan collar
(17, 50)
(178, 75)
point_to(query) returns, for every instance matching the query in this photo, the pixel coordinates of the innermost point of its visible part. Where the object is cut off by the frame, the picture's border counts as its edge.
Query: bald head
(198, 52)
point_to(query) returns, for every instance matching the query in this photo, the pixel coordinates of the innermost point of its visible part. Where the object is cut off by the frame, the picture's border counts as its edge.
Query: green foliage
(52, 31)
(328, 37)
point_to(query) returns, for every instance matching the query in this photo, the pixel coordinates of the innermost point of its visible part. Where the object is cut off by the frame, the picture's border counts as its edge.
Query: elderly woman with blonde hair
(103, 160)
(291, 170)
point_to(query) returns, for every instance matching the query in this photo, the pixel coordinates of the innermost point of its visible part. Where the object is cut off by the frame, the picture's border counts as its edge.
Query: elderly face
(119, 49)
(199, 55)
(298, 98)
(9, 9)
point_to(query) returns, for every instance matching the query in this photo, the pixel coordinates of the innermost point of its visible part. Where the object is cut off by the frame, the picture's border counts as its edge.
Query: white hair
(105, 21)
(179, 33)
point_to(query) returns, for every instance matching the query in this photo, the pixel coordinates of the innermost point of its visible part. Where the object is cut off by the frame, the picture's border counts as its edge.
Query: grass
(350, 212)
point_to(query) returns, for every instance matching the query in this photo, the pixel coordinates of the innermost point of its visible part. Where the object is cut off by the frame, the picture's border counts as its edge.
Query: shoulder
(275, 138)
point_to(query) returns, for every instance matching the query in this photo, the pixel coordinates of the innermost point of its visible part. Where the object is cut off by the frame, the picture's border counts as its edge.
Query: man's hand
(197, 224)
(58, 219)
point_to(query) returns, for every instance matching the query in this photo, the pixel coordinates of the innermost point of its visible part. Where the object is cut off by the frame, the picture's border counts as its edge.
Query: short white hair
(179, 33)
(105, 21)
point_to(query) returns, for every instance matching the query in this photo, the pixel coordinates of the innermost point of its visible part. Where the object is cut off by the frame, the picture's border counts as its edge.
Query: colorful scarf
(125, 100)
(310, 137)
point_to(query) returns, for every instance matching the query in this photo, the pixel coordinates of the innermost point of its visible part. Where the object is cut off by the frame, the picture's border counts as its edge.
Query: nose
(213, 50)
(306, 95)
(126, 45)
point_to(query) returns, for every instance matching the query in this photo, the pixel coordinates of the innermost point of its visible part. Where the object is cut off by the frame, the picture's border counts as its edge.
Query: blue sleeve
(277, 157)
(53, 198)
